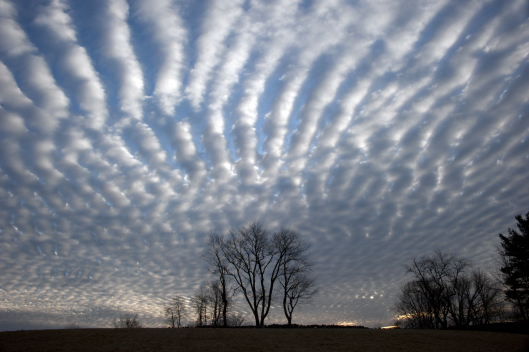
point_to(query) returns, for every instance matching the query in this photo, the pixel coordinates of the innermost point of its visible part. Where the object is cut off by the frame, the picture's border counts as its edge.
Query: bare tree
(73, 326)
(236, 319)
(475, 300)
(127, 320)
(253, 263)
(296, 285)
(435, 276)
(488, 306)
(413, 308)
(443, 294)
(200, 302)
(299, 290)
(209, 304)
(216, 304)
(175, 312)
(218, 266)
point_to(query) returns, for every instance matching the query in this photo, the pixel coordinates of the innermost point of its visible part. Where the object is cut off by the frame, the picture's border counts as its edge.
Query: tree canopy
(514, 253)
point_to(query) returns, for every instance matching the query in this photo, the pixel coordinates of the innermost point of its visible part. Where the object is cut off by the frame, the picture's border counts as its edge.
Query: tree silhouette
(127, 320)
(514, 254)
(254, 265)
(200, 303)
(175, 312)
(296, 284)
(218, 266)
(254, 260)
(434, 276)
(442, 293)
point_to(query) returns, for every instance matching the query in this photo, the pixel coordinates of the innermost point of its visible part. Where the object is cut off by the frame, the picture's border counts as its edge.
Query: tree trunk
(224, 311)
(289, 318)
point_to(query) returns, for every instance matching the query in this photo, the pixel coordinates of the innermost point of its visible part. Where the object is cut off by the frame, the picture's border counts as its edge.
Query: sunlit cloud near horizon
(380, 130)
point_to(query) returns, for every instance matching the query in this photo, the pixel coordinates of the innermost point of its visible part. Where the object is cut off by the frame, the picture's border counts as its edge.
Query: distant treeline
(296, 326)
(314, 326)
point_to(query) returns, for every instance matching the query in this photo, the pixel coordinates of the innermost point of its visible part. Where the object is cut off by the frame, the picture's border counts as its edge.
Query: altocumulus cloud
(380, 130)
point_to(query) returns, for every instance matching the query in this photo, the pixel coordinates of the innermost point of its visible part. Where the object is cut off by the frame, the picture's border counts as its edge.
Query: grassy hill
(260, 340)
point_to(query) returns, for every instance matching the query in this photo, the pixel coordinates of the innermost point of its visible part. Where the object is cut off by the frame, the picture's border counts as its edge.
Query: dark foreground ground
(256, 340)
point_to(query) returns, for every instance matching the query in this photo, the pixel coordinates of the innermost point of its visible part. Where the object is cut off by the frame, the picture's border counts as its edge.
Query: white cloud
(380, 130)
(47, 94)
(35, 76)
(14, 41)
(170, 36)
(186, 152)
(219, 20)
(117, 47)
(75, 61)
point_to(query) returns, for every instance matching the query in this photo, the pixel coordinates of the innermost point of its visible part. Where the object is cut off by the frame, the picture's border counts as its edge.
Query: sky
(130, 129)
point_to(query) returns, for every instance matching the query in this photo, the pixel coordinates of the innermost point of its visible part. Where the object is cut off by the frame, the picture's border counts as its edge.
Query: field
(256, 340)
